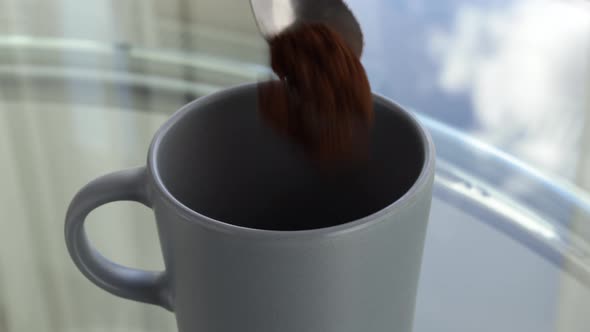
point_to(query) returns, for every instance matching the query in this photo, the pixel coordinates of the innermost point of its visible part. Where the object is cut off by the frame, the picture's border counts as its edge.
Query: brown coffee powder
(323, 100)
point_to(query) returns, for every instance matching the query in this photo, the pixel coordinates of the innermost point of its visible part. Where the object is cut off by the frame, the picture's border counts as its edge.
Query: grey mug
(257, 238)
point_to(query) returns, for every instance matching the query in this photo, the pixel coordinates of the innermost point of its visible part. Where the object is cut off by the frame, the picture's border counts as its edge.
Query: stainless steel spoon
(275, 16)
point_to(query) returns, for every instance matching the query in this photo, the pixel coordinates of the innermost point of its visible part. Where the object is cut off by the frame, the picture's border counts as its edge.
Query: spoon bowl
(275, 16)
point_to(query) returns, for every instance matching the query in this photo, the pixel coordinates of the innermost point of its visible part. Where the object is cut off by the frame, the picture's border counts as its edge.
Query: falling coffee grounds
(323, 99)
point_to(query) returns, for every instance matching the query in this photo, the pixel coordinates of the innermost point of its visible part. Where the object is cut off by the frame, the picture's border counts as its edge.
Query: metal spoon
(275, 16)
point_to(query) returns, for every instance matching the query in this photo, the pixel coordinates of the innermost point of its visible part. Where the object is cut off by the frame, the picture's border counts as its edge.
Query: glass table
(507, 247)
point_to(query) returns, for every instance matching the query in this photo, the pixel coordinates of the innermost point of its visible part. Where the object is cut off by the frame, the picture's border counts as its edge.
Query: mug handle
(143, 286)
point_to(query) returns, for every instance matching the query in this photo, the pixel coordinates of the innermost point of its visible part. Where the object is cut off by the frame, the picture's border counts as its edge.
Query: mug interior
(220, 160)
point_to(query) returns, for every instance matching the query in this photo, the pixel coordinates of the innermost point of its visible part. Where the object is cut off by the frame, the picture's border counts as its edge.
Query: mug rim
(190, 215)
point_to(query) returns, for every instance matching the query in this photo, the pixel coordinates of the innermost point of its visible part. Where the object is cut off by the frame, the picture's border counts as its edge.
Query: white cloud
(527, 69)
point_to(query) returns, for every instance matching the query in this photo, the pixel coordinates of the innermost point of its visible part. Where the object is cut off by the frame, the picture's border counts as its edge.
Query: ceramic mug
(257, 238)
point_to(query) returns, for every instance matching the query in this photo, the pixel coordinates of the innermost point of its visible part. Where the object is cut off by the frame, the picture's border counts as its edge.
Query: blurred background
(85, 84)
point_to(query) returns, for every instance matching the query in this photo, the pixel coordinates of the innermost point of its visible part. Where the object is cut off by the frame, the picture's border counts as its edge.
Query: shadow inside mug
(221, 160)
